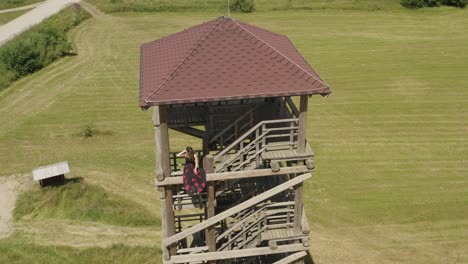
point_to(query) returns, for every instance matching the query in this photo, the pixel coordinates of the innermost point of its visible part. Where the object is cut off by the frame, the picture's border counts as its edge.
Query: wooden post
(298, 211)
(161, 136)
(298, 204)
(302, 137)
(210, 231)
(163, 170)
(205, 144)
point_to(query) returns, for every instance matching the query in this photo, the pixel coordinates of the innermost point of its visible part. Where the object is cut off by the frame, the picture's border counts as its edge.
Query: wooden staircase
(250, 213)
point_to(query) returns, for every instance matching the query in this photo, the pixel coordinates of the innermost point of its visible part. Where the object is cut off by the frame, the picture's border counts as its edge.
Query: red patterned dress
(194, 180)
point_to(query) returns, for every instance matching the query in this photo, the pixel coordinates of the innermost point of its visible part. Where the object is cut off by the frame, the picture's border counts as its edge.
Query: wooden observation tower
(233, 86)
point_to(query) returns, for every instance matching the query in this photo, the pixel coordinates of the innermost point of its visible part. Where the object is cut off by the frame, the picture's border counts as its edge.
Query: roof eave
(324, 92)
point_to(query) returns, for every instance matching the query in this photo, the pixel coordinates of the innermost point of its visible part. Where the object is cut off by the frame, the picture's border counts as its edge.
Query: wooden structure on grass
(51, 174)
(232, 86)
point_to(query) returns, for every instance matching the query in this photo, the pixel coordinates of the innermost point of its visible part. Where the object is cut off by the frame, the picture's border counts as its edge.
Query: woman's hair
(189, 152)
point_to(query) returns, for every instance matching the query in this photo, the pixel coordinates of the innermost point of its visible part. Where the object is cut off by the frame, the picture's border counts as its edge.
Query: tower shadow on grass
(308, 258)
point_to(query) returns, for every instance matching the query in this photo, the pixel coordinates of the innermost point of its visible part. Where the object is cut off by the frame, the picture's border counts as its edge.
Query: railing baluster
(263, 131)
(291, 136)
(257, 148)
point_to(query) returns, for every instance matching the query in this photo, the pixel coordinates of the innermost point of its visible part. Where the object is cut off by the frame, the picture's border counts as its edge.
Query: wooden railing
(292, 107)
(266, 134)
(236, 210)
(249, 226)
(234, 130)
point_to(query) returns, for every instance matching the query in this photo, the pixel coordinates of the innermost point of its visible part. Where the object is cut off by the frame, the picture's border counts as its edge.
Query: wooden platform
(283, 154)
(281, 233)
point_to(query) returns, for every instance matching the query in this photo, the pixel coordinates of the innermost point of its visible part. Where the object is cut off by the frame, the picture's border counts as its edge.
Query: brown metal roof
(223, 59)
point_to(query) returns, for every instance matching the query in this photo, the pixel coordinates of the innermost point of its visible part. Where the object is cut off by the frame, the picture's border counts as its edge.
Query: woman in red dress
(194, 176)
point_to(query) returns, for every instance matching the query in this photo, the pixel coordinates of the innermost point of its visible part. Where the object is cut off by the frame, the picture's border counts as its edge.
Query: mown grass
(7, 4)
(390, 142)
(81, 201)
(112, 6)
(7, 17)
(39, 46)
(25, 252)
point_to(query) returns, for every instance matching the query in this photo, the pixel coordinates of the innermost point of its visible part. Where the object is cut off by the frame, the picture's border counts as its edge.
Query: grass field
(391, 141)
(260, 5)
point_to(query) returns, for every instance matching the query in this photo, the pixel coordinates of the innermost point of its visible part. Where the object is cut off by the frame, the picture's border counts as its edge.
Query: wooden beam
(294, 257)
(293, 107)
(237, 175)
(242, 253)
(251, 202)
(302, 137)
(191, 131)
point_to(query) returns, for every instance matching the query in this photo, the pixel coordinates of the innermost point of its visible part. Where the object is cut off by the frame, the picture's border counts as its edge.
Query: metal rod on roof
(228, 9)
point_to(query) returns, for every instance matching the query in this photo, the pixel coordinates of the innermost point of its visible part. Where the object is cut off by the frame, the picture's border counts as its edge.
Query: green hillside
(391, 141)
(7, 4)
(7, 17)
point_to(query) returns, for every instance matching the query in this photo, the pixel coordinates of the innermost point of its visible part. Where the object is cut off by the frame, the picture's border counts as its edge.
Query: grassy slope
(391, 141)
(7, 17)
(7, 4)
(261, 5)
(81, 201)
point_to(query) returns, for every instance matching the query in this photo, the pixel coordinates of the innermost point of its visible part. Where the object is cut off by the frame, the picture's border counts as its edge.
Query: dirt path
(10, 186)
(33, 17)
(20, 8)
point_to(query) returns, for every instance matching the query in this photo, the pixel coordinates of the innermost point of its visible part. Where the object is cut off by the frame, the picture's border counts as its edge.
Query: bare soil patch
(10, 187)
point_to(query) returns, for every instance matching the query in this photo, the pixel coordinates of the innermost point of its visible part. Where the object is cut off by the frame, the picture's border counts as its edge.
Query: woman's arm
(182, 153)
(196, 161)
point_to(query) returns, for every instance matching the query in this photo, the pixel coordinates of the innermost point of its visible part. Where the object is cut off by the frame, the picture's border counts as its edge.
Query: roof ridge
(279, 52)
(186, 57)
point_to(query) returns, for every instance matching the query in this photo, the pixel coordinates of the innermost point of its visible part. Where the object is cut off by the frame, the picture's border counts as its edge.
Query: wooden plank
(291, 258)
(242, 253)
(302, 137)
(192, 250)
(281, 233)
(251, 202)
(237, 175)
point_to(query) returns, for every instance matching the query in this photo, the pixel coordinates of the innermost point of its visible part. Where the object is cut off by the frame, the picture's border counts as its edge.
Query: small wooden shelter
(232, 85)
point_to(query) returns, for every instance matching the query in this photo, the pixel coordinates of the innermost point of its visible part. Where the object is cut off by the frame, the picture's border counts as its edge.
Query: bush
(455, 3)
(245, 6)
(34, 51)
(89, 131)
(431, 3)
(39, 46)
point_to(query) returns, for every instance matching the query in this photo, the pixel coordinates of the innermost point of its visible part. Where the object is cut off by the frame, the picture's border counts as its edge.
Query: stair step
(282, 233)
